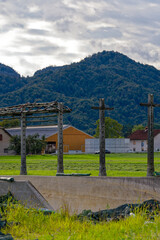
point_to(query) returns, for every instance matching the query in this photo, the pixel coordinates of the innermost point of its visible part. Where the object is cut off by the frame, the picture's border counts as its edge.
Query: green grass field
(130, 164)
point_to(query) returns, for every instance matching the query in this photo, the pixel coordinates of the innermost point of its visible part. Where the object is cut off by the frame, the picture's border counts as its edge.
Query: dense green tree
(10, 123)
(127, 130)
(156, 125)
(137, 127)
(34, 144)
(113, 129)
(15, 144)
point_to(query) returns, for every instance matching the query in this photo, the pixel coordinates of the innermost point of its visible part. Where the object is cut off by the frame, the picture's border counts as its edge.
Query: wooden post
(102, 108)
(150, 156)
(60, 139)
(102, 166)
(23, 145)
(150, 164)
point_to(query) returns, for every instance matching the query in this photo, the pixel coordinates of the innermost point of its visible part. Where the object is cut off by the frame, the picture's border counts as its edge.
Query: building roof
(142, 134)
(5, 131)
(46, 131)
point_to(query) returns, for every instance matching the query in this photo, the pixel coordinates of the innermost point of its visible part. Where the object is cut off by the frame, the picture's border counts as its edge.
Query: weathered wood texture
(23, 145)
(102, 108)
(60, 139)
(23, 111)
(150, 158)
(102, 166)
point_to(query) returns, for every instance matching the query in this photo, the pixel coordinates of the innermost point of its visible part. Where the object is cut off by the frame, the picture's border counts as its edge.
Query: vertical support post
(60, 139)
(150, 165)
(102, 167)
(23, 145)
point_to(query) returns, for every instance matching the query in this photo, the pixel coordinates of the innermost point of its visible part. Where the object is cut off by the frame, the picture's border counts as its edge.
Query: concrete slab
(25, 192)
(95, 193)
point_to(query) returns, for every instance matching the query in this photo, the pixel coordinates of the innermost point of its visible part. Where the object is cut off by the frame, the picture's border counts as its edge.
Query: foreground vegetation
(130, 164)
(30, 224)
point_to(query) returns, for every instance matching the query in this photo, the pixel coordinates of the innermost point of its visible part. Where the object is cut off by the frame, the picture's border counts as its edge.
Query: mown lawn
(130, 164)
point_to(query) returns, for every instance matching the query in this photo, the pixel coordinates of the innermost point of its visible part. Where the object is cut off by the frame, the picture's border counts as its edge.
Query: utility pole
(60, 139)
(102, 108)
(23, 145)
(150, 151)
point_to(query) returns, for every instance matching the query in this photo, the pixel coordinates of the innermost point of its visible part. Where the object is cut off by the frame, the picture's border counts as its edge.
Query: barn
(73, 138)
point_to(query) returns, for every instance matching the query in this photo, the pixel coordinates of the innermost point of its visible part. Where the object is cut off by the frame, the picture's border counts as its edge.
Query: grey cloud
(105, 33)
(37, 32)
(8, 27)
(47, 50)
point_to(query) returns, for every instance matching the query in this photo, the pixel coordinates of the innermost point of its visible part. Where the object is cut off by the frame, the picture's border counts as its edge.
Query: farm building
(73, 138)
(4, 142)
(138, 140)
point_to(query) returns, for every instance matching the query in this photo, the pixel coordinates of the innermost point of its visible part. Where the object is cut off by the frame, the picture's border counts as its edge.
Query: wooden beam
(102, 166)
(60, 139)
(102, 108)
(23, 145)
(150, 158)
(150, 151)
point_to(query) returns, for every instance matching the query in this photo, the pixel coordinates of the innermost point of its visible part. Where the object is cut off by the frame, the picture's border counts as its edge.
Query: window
(134, 142)
(6, 150)
(0, 137)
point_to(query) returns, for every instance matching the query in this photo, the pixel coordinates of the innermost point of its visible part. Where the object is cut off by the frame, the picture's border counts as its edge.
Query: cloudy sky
(38, 33)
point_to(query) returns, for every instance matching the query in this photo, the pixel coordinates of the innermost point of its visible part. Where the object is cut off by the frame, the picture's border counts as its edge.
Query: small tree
(15, 144)
(113, 129)
(34, 144)
(10, 123)
(137, 127)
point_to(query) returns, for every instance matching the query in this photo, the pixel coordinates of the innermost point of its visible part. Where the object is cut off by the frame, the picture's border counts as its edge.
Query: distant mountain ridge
(123, 83)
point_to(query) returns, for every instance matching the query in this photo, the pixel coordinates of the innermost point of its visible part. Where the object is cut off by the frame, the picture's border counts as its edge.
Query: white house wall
(157, 143)
(4, 143)
(114, 145)
(138, 145)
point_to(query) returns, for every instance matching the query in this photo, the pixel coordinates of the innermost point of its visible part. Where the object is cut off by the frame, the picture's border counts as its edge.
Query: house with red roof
(139, 140)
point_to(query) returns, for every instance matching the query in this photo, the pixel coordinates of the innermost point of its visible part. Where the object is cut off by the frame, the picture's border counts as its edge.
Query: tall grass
(30, 224)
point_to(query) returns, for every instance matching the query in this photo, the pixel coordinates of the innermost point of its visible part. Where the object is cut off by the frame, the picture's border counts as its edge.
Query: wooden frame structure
(102, 108)
(31, 110)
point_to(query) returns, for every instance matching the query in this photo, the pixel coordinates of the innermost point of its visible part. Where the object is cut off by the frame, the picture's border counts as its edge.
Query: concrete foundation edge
(95, 193)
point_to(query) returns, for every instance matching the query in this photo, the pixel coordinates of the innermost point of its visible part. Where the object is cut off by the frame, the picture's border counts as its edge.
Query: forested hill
(123, 83)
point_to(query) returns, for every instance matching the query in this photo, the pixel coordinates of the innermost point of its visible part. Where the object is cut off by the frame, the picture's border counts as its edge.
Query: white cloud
(35, 34)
